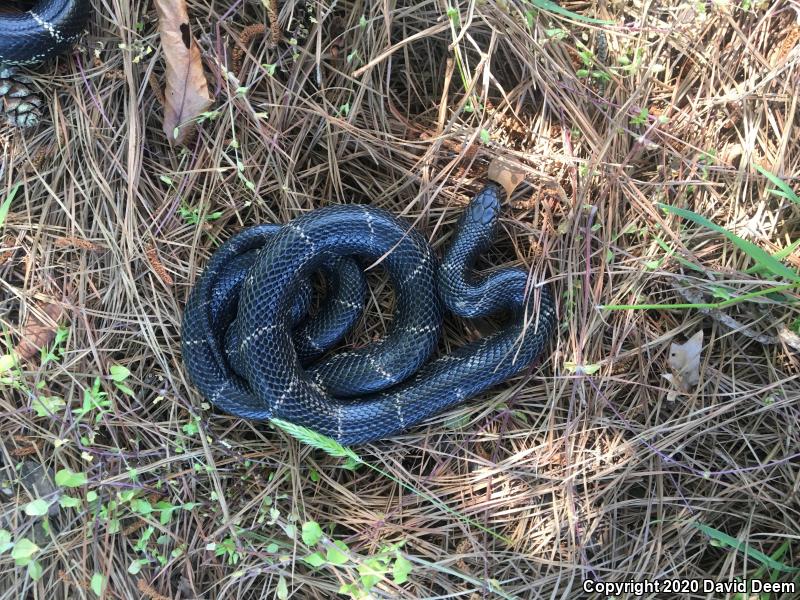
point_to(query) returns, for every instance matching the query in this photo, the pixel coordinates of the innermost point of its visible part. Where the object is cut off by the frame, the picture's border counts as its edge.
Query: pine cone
(21, 105)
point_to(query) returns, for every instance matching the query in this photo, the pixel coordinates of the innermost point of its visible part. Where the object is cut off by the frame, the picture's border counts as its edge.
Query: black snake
(45, 29)
(250, 350)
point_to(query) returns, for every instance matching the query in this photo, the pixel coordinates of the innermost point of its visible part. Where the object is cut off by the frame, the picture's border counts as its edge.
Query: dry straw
(582, 466)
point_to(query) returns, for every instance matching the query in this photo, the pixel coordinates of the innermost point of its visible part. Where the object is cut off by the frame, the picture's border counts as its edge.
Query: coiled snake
(249, 348)
(47, 28)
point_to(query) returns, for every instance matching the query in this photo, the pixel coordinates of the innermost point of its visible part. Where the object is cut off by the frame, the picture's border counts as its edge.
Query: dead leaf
(39, 331)
(506, 174)
(684, 360)
(187, 94)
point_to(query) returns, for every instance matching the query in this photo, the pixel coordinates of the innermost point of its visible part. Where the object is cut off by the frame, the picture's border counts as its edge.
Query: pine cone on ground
(19, 102)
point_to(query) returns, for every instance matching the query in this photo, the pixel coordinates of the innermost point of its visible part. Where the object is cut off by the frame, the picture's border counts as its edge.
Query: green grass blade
(784, 191)
(784, 252)
(779, 255)
(776, 556)
(317, 440)
(6, 205)
(726, 540)
(711, 305)
(552, 7)
(758, 255)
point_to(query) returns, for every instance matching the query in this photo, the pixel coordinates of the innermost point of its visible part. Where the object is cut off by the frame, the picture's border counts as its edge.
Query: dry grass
(587, 476)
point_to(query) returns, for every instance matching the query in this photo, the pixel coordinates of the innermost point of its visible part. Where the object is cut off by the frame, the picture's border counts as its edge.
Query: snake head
(484, 208)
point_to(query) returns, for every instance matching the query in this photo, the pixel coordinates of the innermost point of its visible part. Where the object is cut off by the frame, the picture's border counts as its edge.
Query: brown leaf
(187, 93)
(39, 332)
(506, 174)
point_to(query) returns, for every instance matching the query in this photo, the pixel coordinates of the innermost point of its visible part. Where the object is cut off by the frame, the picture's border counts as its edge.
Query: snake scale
(252, 350)
(47, 28)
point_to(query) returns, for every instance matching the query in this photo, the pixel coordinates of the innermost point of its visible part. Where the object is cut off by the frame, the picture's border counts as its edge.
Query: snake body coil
(251, 351)
(48, 28)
